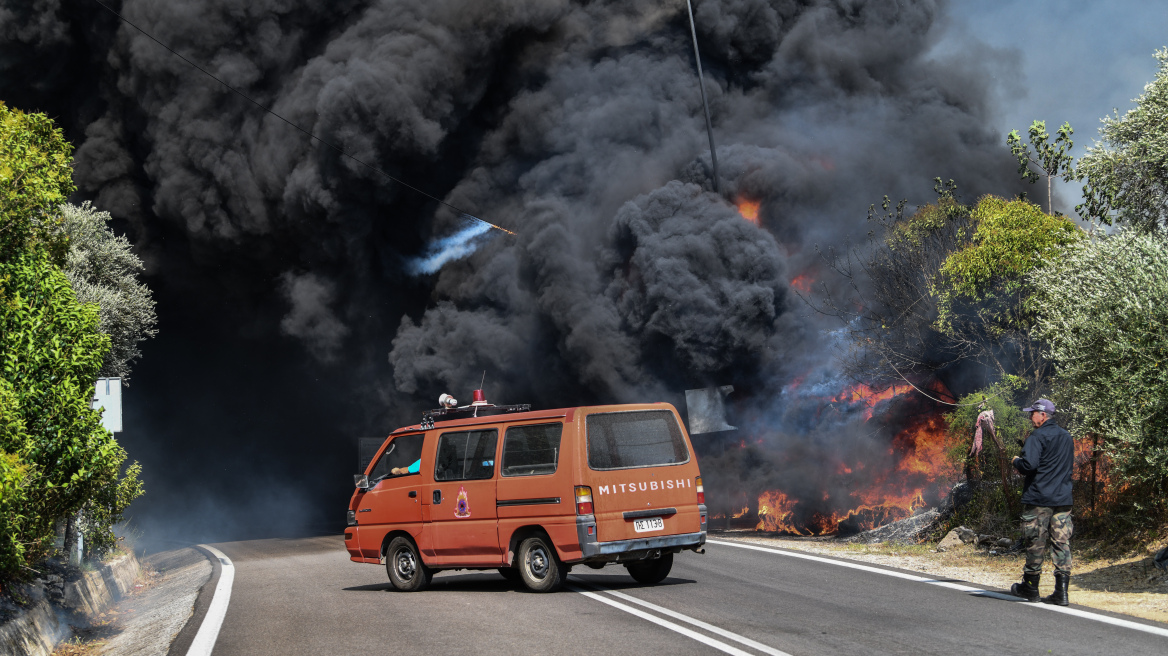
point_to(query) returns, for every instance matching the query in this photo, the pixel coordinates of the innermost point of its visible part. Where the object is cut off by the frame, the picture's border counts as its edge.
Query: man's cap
(1041, 405)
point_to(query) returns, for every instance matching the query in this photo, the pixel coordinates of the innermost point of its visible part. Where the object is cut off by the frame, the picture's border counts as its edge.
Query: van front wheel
(650, 572)
(539, 566)
(406, 570)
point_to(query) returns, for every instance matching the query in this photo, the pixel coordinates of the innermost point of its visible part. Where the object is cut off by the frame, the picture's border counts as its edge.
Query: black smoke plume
(281, 268)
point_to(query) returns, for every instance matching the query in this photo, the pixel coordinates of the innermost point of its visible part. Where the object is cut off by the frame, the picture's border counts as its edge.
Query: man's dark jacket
(1047, 460)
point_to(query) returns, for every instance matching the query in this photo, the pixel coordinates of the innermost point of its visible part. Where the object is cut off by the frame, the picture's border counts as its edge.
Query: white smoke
(448, 249)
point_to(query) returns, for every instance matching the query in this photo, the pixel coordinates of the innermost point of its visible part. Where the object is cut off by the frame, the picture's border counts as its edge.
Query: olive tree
(1103, 311)
(103, 269)
(1126, 174)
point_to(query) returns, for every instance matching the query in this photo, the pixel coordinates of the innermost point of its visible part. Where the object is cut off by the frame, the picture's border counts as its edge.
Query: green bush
(36, 176)
(991, 510)
(51, 350)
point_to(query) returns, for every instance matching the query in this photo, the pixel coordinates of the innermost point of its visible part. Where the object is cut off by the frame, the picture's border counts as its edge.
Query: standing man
(1046, 462)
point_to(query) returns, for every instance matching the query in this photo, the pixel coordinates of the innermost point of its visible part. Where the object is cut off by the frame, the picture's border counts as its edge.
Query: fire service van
(529, 493)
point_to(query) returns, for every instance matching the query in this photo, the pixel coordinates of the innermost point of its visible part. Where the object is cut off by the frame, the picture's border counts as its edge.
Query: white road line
(208, 633)
(766, 649)
(716, 644)
(1155, 630)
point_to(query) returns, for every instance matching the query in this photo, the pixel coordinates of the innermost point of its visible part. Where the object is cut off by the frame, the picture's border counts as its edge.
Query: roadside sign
(707, 409)
(107, 397)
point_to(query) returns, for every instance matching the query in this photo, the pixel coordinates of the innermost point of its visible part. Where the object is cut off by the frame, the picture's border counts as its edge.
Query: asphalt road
(304, 596)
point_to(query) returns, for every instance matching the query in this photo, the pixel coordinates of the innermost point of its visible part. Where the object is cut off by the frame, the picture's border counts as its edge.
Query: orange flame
(775, 512)
(921, 465)
(802, 282)
(749, 210)
(870, 398)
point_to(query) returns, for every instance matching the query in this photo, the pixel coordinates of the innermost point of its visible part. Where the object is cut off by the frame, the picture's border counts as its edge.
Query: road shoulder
(992, 571)
(150, 620)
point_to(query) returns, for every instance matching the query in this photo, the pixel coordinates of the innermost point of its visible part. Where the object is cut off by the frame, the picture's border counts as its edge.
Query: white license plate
(648, 524)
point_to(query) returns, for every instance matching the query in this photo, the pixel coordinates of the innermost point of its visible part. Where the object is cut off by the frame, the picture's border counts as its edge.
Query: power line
(297, 127)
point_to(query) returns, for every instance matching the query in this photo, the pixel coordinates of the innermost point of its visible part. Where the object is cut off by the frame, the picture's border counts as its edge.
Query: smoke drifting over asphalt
(285, 273)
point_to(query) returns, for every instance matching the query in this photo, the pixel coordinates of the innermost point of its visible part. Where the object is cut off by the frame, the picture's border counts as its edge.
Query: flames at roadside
(858, 493)
(921, 470)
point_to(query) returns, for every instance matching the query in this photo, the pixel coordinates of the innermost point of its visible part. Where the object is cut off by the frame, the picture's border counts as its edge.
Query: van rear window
(620, 440)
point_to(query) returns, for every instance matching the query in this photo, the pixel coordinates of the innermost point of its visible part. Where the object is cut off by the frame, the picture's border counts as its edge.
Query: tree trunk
(1094, 463)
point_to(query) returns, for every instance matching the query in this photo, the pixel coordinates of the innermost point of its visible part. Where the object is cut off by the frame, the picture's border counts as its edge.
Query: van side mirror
(361, 481)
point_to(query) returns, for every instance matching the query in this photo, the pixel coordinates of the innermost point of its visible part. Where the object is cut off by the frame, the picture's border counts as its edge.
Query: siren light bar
(450, 407)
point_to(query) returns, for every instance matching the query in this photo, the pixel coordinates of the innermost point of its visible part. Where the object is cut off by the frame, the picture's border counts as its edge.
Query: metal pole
(702, 85)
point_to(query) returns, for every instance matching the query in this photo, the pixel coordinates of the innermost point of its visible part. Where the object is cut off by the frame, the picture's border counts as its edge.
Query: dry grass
(1124, 584)
(90, 638)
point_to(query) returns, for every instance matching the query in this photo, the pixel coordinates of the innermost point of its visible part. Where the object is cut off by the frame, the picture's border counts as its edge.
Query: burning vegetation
(895, 464)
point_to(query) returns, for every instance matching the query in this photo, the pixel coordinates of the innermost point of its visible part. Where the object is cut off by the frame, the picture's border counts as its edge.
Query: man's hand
(397, 471)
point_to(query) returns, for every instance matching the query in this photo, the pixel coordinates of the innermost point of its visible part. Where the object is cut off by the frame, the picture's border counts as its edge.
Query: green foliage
(1127, 173)
(989, 510)
(103, 269)
(13, 473)
(36, 175)
(1010, 422)
(893, 330)
(1011, 239)
(983, 299)
(50, 351)
(1105, 318)
(911, 232)
(1050, 157)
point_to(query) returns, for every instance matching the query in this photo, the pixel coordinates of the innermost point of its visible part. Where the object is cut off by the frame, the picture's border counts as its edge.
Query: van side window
(401, 453)
(466, 455)
(620, 440)
(531, 450)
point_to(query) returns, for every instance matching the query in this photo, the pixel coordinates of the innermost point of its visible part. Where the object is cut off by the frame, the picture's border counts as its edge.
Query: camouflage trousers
(1043, 525)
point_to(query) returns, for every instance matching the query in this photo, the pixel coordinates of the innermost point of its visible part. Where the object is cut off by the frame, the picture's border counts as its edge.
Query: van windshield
(621, 440)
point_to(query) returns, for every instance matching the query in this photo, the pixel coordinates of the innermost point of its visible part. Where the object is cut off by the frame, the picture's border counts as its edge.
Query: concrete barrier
(37, 628)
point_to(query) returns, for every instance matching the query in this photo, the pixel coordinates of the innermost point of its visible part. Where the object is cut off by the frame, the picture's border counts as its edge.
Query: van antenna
(484, 380)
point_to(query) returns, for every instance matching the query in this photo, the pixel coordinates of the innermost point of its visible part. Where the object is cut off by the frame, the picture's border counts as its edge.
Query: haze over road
(303, 596)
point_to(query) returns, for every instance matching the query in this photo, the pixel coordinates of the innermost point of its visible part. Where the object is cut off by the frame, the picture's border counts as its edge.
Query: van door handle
(437, 496)
(413, 493)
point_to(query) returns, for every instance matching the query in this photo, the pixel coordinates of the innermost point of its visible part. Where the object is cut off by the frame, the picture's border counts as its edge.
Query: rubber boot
(1059, 597)
(1028, 588)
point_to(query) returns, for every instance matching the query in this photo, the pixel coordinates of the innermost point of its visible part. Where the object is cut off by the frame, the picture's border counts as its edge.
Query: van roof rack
(430, 416)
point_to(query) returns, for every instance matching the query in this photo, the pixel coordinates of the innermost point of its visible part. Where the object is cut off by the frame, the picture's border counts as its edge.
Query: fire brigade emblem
(462, 506)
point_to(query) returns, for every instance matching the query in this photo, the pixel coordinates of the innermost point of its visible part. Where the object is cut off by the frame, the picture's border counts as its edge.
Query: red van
(530, 493)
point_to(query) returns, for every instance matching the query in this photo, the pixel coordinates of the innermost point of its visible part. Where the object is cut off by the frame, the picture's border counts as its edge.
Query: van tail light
(701, 491)
(583, 500)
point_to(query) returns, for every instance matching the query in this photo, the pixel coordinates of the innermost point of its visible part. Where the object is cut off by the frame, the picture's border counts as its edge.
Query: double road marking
(603, 594)
(720, 638)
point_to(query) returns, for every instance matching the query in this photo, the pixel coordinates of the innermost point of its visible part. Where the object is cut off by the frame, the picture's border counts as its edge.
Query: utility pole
(702, 85)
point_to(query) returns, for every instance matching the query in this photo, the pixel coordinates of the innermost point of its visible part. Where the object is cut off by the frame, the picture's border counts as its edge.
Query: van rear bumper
(636, 549)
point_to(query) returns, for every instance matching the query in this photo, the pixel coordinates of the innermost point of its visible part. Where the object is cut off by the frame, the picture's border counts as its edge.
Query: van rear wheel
(406, 570)
(650, 572)
(539, 566)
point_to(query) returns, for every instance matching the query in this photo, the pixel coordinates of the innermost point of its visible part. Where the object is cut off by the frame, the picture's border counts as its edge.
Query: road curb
(182, 641)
